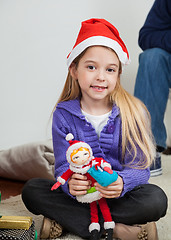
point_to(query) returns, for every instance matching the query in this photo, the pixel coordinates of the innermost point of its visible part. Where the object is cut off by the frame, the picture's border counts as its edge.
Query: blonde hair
(136, 121)
(75, 151)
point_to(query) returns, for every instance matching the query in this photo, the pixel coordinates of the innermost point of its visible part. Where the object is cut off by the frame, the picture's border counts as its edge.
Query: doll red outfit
(92, 195)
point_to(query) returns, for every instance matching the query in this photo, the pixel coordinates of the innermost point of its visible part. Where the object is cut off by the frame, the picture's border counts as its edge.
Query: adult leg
(152, 87)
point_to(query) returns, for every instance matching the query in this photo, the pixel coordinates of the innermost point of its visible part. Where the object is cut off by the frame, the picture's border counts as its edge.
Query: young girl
(96, 109)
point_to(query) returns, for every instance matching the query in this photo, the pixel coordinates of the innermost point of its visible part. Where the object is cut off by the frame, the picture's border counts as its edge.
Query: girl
(96, 109)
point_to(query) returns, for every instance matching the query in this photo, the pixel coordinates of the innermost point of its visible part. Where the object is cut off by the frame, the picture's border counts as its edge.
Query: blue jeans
(152, 87)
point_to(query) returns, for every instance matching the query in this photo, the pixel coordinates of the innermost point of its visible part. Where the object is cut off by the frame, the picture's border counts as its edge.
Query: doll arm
(62, 179)
(100, 162)
(55, 186)
(108, 169)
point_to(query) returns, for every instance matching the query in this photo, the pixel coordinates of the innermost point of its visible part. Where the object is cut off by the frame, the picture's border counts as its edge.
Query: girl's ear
(73, 70)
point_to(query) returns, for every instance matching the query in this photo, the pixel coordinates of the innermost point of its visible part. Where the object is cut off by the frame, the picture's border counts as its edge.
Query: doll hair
(77, 150)
(136, 121)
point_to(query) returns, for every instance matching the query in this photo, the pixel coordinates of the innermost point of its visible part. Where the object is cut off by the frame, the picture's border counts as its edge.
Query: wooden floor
(10, 188)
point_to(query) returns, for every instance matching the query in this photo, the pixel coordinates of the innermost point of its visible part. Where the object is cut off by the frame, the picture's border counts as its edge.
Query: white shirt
(98, 122)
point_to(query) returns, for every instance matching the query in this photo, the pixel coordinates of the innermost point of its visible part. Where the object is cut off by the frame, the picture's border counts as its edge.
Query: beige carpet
(15, 206)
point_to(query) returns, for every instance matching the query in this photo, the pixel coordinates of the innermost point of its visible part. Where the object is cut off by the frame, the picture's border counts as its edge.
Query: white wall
(35, 38)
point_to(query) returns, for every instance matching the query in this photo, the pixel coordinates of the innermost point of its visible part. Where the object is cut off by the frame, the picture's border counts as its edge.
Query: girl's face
(97, 73)
(81, 157)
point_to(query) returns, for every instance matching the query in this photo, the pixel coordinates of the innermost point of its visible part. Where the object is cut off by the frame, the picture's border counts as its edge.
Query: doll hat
(96, 32)
(74, 145)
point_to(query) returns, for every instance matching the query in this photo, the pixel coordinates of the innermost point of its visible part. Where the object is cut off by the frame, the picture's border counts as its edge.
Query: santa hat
(74, 144)
(96, 32)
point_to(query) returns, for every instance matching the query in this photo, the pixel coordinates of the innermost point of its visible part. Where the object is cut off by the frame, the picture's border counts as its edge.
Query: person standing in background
(154, 73)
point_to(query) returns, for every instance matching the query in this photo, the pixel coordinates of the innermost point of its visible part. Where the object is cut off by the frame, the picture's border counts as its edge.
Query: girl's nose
(101, 75)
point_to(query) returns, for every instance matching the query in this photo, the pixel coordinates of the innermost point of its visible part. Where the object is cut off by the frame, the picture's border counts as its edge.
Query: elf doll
(80, 157)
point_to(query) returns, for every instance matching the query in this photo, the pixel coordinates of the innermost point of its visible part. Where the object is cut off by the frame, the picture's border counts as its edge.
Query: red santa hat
(96, 32)
(74, 144)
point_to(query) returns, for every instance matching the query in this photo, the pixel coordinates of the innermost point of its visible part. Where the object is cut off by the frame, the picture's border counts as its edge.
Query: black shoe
(109, 234)
(167, 151)
(155, 168)
(94, 235)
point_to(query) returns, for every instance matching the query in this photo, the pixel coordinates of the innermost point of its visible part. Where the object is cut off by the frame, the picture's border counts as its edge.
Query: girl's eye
(111, 70)
(85, 154)
(91, 67)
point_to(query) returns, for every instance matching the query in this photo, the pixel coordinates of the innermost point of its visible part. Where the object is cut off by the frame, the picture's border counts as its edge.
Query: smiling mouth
(98, 87)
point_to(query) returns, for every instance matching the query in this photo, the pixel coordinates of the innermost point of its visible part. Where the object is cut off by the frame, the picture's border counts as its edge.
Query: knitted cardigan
(156, 32)
(67, 118)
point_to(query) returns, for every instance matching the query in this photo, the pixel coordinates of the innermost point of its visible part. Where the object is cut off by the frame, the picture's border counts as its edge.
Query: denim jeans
(152, 87)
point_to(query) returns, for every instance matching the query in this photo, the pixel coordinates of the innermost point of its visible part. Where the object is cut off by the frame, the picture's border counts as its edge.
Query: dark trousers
(143, 204)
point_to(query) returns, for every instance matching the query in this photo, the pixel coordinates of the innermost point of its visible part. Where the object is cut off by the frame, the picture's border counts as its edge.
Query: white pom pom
(69, 137)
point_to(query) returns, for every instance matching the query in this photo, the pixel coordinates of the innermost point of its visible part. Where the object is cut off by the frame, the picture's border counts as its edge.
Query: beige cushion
(28, 161)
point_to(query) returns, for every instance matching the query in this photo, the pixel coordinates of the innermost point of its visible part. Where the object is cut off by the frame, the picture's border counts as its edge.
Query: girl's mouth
(100, 88)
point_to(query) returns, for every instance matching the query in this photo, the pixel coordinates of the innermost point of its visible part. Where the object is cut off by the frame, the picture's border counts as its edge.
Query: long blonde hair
(136, 121)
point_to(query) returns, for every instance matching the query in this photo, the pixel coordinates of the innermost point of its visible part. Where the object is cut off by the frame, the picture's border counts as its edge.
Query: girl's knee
(159, 202)
(27, 191)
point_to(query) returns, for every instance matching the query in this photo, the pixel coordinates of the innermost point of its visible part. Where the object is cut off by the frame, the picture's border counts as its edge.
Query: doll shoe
(50, 229)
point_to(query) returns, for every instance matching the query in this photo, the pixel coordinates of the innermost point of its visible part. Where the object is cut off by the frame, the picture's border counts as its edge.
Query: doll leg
(109, 223)
(94, 227)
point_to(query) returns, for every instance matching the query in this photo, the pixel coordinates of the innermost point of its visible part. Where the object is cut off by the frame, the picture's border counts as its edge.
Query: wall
(35, 38)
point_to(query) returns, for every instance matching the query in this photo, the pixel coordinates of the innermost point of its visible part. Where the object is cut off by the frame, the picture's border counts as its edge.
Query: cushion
(28, 161)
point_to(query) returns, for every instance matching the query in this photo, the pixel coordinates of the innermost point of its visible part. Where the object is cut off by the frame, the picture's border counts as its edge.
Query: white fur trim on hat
(94, 226)
(98, 41)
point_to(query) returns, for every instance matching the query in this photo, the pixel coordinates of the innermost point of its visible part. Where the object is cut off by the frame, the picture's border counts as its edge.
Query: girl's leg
(56, 205)
(149, 201)
(145, 203)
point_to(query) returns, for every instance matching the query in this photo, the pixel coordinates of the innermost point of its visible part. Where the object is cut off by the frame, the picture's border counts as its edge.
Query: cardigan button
(110, 128)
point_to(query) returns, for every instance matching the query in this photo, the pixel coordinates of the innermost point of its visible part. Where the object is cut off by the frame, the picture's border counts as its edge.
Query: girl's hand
(114, 190)
(78, 184)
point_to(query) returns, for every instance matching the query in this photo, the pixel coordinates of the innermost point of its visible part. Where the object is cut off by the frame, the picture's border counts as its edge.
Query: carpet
(15, 206)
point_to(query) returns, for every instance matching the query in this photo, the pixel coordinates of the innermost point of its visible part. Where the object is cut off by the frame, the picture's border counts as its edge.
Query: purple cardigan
(68, 118)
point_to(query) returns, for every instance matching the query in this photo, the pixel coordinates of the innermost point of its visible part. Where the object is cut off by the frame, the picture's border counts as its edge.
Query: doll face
(81, 157)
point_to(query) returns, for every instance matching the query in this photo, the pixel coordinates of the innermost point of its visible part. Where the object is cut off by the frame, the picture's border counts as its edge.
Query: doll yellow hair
(75, 151)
